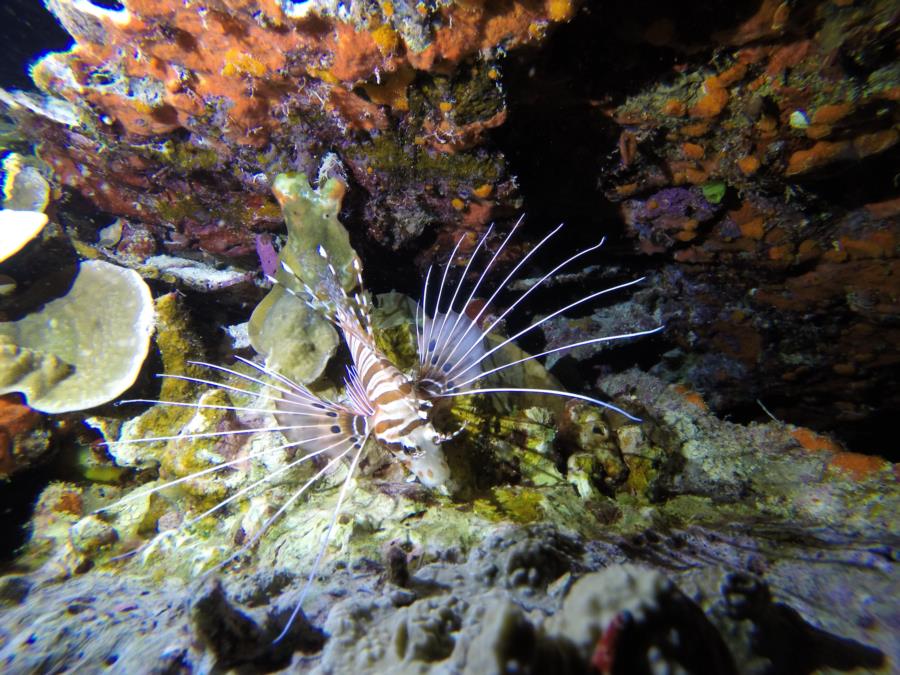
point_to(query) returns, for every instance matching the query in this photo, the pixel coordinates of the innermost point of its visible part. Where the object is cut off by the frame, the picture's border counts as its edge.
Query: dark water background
(27, 30)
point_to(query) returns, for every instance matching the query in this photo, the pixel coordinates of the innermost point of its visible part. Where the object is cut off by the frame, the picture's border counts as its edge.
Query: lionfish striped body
(381, 401)
(387, 399)
(400, 417)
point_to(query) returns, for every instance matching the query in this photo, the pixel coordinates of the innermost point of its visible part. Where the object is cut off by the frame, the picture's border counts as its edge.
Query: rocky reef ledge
(737, 549)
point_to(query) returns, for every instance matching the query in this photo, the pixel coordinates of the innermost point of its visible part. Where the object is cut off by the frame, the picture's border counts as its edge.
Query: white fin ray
(335, 423)
(460, 333)
(445, 339)
(431, 369)
(458, 370)
(199, 406)
(326, 538)
(497, 291)
(574, 345)
(332, 463)
(424, 308)
(265, 479)
(454, 372)
(547, 392)
(208, 434)
(431, 338)
(138, 493)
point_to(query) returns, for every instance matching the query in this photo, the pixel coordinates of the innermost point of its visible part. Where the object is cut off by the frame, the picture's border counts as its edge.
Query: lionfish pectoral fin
(314, 428)
(342, 448)
(326, 537)
(448, 331)
(453, 355)
(545, 392)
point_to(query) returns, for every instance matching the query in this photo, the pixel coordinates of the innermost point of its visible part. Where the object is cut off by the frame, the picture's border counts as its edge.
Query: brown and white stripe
(397, 409)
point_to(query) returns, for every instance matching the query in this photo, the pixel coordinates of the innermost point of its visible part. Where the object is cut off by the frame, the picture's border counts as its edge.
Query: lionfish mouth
(457, 348)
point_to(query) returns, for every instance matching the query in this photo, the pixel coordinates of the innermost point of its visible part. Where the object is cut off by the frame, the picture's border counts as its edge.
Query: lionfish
(381, 402)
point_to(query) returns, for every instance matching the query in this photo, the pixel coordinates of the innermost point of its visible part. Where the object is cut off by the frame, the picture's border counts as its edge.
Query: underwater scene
(450, 336)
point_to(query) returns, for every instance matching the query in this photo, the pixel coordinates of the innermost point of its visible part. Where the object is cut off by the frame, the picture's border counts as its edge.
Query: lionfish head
(426, 458)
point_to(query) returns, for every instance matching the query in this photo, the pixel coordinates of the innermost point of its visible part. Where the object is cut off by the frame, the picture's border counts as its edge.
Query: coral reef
(730, 514)
(89, 357)
(486, 611)
(749, 149)
(743, 153)
(729, 153)
(178, 116)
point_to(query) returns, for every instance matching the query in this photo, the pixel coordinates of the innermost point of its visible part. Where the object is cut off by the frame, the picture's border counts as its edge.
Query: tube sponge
(296, 340)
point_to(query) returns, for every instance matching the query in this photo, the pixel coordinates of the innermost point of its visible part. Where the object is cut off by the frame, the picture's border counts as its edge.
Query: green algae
(189, 456)
(395, 336)
(311, 217)
(229, 208)
(521, 505)
(178, 345)
(400, 156)
(473, 95)
(714, 192)
(176, 211)
(181, 156)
